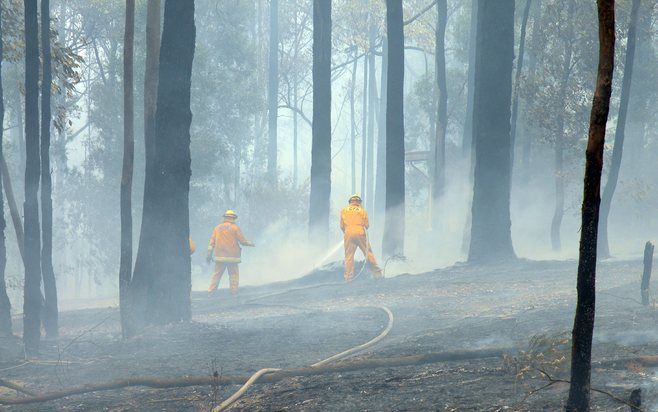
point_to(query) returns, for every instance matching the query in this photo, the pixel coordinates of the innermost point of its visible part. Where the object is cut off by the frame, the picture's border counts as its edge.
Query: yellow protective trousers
(233, 273)
(352, 242)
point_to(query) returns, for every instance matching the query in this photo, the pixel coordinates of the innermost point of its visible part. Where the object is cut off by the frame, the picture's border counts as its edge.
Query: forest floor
(525, 308)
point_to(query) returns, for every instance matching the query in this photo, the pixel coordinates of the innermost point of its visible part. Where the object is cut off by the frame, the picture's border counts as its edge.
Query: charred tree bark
(32, 258)
(160, 289)
(393, 241)
(364, 127)
(273, 92)
(135, 298)
(646, 273)
(468, 138)
(13, 206)
(321, 143)
(380, 181)
(50, 313)
(372, 109)
(583, 325)
(491, 238)
(618, 148)
(153, 10)
(517, 76)
(558, 213)
(5, 304)
(353, 127)
(439, 158)
(126, 261)
(535, 37)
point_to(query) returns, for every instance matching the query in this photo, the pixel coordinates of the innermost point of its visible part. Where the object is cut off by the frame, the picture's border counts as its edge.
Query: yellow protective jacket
(225, 242)
(354, 221)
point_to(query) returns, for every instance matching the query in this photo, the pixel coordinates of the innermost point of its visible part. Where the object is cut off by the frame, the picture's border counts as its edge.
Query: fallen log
(346, 366)
(16, 387)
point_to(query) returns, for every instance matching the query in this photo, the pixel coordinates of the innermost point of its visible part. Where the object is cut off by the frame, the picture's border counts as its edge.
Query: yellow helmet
(355, 197)
(230, 214)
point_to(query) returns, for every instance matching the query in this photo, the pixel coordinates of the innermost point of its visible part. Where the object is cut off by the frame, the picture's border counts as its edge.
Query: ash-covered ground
(525, 308)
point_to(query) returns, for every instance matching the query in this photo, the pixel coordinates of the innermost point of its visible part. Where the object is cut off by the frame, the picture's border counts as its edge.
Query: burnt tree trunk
(380, 181)
(13, 206)
(646, 273)
(32, 258)
(468, 138)
(135, 298)
(160, 289)
(618, 148)
(558, 213)
(50, 312)
(533, 51)
(517, 76)
(153, 10)
(439, 158)
(364, 125)
(273, 92)
(126, 261)
(393, 241)
(583, 325)
(353, 126)
(321, 143)
(5, 304)
(372, 109)
(491, 238)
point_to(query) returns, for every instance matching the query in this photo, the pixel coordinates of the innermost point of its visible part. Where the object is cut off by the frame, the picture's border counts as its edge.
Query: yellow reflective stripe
(225, 259)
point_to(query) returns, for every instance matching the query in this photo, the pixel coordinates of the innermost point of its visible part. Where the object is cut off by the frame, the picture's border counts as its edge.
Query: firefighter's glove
(209, 257)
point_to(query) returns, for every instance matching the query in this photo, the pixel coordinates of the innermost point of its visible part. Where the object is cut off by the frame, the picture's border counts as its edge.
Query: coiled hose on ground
(229, 401)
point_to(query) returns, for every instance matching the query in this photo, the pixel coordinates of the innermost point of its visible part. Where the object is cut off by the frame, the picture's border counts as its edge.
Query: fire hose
(229, 401)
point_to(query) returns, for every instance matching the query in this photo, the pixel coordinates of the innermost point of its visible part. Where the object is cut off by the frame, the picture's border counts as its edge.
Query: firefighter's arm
(366, 222)
(241, 239)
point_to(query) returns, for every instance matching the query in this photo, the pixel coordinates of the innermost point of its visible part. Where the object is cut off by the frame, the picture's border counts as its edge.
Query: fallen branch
(552, 381)
(347, 366)
(16, 387)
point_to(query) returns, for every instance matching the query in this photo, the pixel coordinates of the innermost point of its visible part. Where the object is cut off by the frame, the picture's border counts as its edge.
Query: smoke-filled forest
(340, 205)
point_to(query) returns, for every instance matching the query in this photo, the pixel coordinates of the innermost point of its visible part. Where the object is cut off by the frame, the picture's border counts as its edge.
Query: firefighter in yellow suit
(225, 249)
(354, 224)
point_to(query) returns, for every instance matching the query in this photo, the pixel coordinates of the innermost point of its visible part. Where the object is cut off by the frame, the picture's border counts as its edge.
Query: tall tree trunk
(135, 298)
(491, 238)
(153, 11)
(20, 127)
(50, 313)
(439, 157)
(353, 127)
(32, 258)
(617, 150)
(641, 100)
(393, 241)
(126, 261)
(372, 109)
(468, 138)
(364, 126)
(321, 143)
(517, 76)
(13, 207)
(273, 92)
(558, 214)
(532, 68)
(380, 181)
(5, 305)
(160, 289)
(583, 325)
(295, 131)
